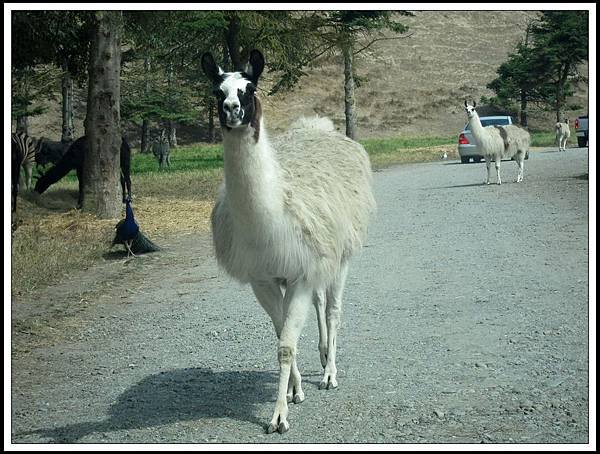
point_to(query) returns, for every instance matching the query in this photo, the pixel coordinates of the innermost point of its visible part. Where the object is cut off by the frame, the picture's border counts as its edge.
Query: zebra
(160, 149)
(23, 153)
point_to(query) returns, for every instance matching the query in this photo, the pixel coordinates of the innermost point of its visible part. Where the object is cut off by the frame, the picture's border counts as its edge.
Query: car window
(495, 121)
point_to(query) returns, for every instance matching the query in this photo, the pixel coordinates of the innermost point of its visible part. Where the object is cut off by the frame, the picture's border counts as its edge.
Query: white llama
(497, 142)
(563, 132)
(289, 216)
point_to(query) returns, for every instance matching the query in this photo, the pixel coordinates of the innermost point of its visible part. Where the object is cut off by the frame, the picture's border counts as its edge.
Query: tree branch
(385, 38)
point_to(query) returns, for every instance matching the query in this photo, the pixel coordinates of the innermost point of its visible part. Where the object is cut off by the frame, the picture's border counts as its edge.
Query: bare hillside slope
(413, 86)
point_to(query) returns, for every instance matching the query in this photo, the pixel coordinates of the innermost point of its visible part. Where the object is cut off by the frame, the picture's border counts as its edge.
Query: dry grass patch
(53, 238)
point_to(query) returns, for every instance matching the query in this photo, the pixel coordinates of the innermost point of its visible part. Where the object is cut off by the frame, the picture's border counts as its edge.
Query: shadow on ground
(172, 396)
(58, 200)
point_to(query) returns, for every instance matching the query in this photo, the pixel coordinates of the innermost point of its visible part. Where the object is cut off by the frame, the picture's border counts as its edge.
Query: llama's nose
(232, 107)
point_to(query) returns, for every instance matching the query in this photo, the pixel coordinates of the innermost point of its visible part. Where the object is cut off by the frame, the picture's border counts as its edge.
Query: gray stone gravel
(465, 320)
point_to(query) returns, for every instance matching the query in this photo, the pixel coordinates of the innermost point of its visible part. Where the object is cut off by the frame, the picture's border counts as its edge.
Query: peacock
(128, 233)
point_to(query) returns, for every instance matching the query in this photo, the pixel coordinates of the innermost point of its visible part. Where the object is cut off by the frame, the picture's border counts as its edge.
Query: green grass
(204, 158)
(391, 145)
(209, 158)
(543, 139)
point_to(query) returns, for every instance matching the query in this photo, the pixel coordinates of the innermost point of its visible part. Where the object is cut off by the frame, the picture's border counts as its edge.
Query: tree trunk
(145, 144)
(232, 37)
(349, 109)
(524, 119)
(172, 130)
(561, 89)
(23, 124)
(101, 164)
(67, 105)
(211, 121)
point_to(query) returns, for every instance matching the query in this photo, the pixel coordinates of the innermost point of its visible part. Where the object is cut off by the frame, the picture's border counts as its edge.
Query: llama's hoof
(282, 427)
(296, 398)
(328, 382)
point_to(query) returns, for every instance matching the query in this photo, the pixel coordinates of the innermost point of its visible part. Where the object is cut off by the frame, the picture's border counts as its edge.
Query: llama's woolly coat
(563, 133)
(519, 140)
(503, 141)
(562, 130)
(320, 213)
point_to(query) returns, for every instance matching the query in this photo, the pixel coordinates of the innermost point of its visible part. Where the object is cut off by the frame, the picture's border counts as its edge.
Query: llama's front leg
(488, 164)
(333, 310)
(270, 297)
(319, 303)
(297, 299)
(294, 391)
(498, 159)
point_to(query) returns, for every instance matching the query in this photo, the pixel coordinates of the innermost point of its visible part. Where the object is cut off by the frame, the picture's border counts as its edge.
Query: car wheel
(476, 159)
(581, 141)
(464, 160)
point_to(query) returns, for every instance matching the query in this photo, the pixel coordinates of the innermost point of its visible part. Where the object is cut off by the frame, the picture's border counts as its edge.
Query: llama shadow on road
(172, 396)
(463, 185)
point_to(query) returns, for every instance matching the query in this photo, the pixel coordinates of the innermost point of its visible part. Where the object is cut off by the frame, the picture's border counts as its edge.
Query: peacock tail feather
(142, 244)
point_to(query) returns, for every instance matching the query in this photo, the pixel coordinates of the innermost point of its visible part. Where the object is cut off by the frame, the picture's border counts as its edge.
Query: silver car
(467, 148)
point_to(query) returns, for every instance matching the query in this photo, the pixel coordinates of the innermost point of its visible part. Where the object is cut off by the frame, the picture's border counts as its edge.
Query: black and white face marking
(470, 109)
(235, 91)
(235, 100)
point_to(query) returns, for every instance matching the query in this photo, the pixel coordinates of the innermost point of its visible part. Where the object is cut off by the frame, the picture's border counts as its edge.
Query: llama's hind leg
(498, 160)
(520, 159)
(333, 314)
(319, 303)
(488, 164)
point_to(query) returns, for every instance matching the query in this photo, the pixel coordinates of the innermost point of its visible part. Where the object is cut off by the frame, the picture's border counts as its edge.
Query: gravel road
(465, 320)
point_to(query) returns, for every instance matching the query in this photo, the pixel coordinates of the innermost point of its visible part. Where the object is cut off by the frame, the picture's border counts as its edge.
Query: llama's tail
(316, 122)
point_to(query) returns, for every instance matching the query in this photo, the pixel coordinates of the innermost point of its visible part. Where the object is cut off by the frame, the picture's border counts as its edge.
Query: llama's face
(236, 101)
(470, 110)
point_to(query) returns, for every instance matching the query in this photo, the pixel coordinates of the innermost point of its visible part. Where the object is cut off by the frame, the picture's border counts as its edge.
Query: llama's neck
(476, 127)
(252, 177)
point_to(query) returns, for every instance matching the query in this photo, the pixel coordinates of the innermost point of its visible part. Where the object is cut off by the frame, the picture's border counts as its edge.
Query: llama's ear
(256, 64)
(212, 71)
(474, 104)
(465, 103)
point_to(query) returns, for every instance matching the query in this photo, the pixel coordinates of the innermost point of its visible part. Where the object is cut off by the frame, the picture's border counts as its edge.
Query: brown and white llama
(498, 142)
